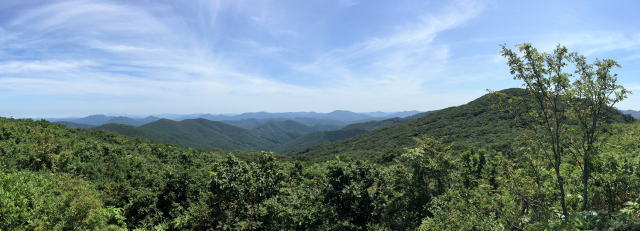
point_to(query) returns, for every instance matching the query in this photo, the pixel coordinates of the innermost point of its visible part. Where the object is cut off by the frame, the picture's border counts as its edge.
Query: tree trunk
(561, 186)
(585, 180)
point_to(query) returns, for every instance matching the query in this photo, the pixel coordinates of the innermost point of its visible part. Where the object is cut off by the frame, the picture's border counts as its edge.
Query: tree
(544, 77)
(593, 95)
(432, 168)
(44, 201)
(236, 194)
(586, 98)
(357, 192)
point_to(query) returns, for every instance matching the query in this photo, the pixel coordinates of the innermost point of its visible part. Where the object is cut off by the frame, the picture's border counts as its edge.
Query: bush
(43, 201)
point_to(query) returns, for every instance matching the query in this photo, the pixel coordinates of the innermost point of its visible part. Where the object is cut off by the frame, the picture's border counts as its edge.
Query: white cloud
(398, 64)
(93, 16)
(114, 49)
(592, 42)
(124, 48)
(348, 3)
(257, 47)
(49, 65)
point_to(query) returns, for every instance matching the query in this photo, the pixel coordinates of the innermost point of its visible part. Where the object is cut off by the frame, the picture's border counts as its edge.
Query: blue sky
(73, 58)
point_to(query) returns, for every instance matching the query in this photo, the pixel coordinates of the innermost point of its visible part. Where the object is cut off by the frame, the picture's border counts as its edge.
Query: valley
(280, 132)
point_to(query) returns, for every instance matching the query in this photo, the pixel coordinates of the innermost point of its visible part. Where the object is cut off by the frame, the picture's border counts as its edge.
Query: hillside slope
(205, 134)
(314, 124)
(196, 133)
(312, 139)
(284, 136)
(132, 174)
(281, 132)
(98, 120)
(131, 131)
(132, 121)
(75, 125)
(476, 123)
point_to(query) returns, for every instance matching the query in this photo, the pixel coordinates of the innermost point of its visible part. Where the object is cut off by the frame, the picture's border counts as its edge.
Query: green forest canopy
(133, 183)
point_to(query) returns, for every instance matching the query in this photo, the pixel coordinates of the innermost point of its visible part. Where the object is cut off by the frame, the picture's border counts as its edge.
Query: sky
(82, 57)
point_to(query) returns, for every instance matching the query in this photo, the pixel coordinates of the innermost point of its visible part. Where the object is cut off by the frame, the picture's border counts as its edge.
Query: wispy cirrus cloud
(113, 46)
(591, 42)
(108, 48)
(106, 56)
(37, 66)
(400, 62)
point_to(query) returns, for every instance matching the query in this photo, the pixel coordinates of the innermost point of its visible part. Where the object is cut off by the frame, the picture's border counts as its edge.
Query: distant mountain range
(97, 120)
(338, 115)
(314, 134)
(323, 121)
(195, 133)
(282, 132)
(284, 136)
(634, 114)
(302, 143)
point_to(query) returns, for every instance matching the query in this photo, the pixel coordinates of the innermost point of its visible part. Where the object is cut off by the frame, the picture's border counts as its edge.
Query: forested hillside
(314, 124)
(284, 136)
(96, 180)
(318, 121)
(196, 133)
(97, 120)
(476, 124)
(50, 174)
(309, 140)
(281, 132)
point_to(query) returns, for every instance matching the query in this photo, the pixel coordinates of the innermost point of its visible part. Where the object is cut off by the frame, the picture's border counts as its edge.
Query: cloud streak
(108, 48)
(145, 57)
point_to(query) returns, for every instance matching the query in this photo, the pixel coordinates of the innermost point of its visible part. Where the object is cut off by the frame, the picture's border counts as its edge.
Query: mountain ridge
(477, 123)
(338, 117)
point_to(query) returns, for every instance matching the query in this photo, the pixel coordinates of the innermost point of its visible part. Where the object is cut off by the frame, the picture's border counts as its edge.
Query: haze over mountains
(338, 116)
(282, 132)
(309, 133)
(634, 113)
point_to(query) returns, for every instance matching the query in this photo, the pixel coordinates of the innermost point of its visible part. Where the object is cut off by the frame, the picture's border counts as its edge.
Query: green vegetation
(478, 124)
(195, 133)
(304, 142)
(510, 160)
(284, 136)
(281, 132)
(127, 182)
(97, 120)
(561, 99)
(475, 124)
(75, 125)
(43, 201)
(132, 175)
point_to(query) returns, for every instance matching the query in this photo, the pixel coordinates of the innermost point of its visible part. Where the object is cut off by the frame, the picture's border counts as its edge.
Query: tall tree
(544, 77)
(593, 95)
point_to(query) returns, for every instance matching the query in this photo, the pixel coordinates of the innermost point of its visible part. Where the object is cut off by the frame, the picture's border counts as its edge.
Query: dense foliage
(280, 135)
(43, 201)
(196, 133)
(53, 176)
(303, 143)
